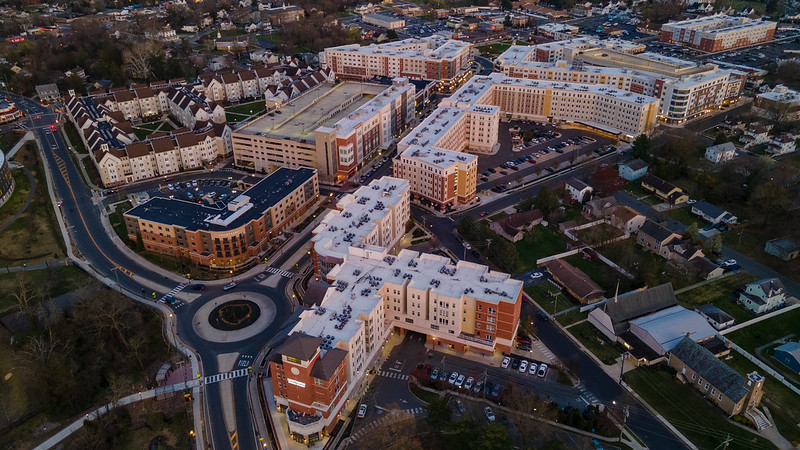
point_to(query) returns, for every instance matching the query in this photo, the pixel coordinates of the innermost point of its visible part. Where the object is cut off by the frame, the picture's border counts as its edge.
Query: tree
(25, 296)
(720, 138)
(714, 243)
(397, 434)
(391, 34)
(507, 21)
(507, 6)
(139, 59)
(546, 200)
(75, 83)
(439, 415)
(495, 436)
(605, 180)
(641, 147)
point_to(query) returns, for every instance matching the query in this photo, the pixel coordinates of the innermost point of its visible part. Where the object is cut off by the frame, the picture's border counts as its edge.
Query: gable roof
(655, 231)
(724, 147)
(577, 184)
(635, 164)
(770, 286)
(716, 372)
(300, 346)
(519, 220)
(793, 348)
(708, 209)
(658, 184)
(714, 313)
(574, 279)
(625, 214)
(638, 303)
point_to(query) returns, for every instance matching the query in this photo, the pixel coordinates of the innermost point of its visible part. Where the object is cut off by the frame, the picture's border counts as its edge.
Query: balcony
(304, 423)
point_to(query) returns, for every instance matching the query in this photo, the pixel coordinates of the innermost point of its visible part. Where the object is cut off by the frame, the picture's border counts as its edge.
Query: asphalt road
(95, 245)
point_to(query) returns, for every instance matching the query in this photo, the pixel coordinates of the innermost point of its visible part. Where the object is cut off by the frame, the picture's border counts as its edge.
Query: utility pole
(622, 366)
(725, 443)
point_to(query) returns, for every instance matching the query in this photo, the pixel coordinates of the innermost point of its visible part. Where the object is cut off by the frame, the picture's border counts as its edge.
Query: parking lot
(208, 191)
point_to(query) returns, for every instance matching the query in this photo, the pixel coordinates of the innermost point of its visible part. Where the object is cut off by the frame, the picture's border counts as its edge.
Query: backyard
(549, 297)
(684, 215)
(538, 243)
(766, 331)
(601, 273)
(696, 418)
(648, 269)
(720, 293)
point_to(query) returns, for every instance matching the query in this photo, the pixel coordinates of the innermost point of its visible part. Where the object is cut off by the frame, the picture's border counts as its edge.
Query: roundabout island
(234, 317)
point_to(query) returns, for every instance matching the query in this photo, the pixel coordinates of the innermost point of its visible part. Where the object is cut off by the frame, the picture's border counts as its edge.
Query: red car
(524, 340)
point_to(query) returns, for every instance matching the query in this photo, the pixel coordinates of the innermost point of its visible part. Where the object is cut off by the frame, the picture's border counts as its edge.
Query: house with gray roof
(633, 170)
(614, 316)
(784, 248)
(716, 381)
(712, 213)
(721, 153)
(763, 295)
(578, 190)
(718, 318)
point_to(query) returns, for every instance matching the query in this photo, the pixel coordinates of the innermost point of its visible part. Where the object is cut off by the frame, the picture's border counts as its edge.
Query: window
(707, 386)
(694, 376)
(713, 391)
(719, 397)
(700, 382)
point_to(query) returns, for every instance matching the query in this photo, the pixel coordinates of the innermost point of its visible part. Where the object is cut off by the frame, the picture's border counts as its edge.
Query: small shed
(788, 354)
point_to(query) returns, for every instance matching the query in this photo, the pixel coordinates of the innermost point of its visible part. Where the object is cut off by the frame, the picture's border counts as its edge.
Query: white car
(532, 369)
(460, 381)
(229, 286)
(506, 362)
(489, 413)
(542, 370)
(362, 411)
(691, 201)
(453, 378)
(523, 366)
(468, 384)
(536, 275)
(730, 262)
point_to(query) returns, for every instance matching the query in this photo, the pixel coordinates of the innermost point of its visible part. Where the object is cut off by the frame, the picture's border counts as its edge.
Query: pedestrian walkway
(393, 416)
(545, 351)
(587, 396)
(281, 272)
(225, 376)
(174, 291)
(395, 375)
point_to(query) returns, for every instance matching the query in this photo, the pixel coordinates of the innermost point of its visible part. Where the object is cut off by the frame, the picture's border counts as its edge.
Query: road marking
(225, 376)
(83, 219)
(396, 376)
(234, 439)
(280, 272)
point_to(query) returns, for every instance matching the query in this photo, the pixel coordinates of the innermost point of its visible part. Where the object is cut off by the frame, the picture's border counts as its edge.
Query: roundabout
(233, 317)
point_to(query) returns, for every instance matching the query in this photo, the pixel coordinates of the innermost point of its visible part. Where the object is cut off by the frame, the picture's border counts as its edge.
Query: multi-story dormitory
(279, 83)
(103, 121)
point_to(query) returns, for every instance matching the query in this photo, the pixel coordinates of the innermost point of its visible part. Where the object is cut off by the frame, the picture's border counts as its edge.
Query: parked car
(460, 381)
(532, 369)
(542, 370)
(515, 364)
(443, 376)
(478, 386)
(496, 390)
(523, 366)
(427, 369)
(524, 340)
(362, 411)
(468, 383)
(435, 374)
(506, 362)
(492, 170)
(536, 275)
(453, 378)
(489, 414)
(542, 316)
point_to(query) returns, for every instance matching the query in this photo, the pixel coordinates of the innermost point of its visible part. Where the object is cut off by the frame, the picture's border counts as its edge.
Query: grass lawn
(571, 317)
(720, 293)
(544, 294)
(74, 137)
(573, 212)
(118, 220)
(760, 333)
(494, 49)
(9, 139)
(601, 273)
(235, 117)
(751, 241)
(141, 134)
(652, 200)
(647, 268)
(50, 282)
(700, 421)
(272, 37)
(783, 403)
(595, 341)
(21, 189)
(247, 108)
(684, 215)
(635, 189)
(538, 243)
(498, 216)
(152, 126)
(34, 237)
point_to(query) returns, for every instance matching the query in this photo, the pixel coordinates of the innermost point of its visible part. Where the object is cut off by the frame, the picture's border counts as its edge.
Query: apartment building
(384, 21)
(780, 104)
(565, 49)
(236, 85)
(332, 128)
(228, 236)
(375, 214)
(718, 32)
(685, 89)
(428, 58)
(462, 307)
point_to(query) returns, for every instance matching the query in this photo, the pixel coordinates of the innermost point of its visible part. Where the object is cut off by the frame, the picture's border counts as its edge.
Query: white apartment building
(427, 58)
(685, 89)
(718, 32)
(375, 214)
(384, 21)
(780, 104)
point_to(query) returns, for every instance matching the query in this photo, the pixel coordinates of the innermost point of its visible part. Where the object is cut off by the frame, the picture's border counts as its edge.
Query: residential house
(712, 213)
(756, 135)
(655, 238)
(763, 295)
(664, 189)
(575, 281)
(614, 316)
(784, 248)
(718, 318)
(721, 153)
(578, 190)
(788, 354)
(231, 43)
(782, 144)
(48, 92)
(77, 71)
(599, 208)
(706, 269)
(717, 381)
(627, 219)
(514, 226)
(633, 170)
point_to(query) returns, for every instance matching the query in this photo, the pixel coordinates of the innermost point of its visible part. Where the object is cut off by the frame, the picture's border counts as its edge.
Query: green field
(684, 215)
(720, 293)
(571, 317)
(538, 243)
(544, 294)
(760, 333)
(699, 420)
(247, 108)
(74, 138)
(45, 283)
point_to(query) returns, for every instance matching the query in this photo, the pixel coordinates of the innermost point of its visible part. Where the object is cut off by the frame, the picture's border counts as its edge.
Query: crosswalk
(245, 360)
(280, 272)
(225, 376)
(393, 416)
(177, 303)
(545, 351)
(395, 375)
(587, 396)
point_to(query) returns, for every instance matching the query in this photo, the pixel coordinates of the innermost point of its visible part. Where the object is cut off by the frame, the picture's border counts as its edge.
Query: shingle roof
(658, 183)
(625, 214)
(325, 367)
(300, 346)
(714, 313)
(635, 164)
(708, 209)
(724, 147)
(575, 280)
(716, 372)
(519, 220)
(577, 184)
(638, 303)
(655, 231)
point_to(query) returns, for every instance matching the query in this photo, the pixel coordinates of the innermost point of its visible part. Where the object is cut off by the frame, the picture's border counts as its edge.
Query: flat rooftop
(358, 216)
(319, 107)
(195, 216)
(430, 47)
(646, 62)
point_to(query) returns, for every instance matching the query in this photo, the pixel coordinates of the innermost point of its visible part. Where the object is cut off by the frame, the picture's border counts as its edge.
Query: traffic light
(187, 398)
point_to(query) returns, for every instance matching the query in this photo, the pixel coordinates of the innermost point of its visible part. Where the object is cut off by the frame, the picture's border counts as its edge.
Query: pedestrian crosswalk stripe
(394, 375)
(225, 376)
(280, 272)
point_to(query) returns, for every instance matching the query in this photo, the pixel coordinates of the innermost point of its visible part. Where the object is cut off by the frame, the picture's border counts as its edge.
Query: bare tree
(25, 297)
(138, 59)
(38, 349)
